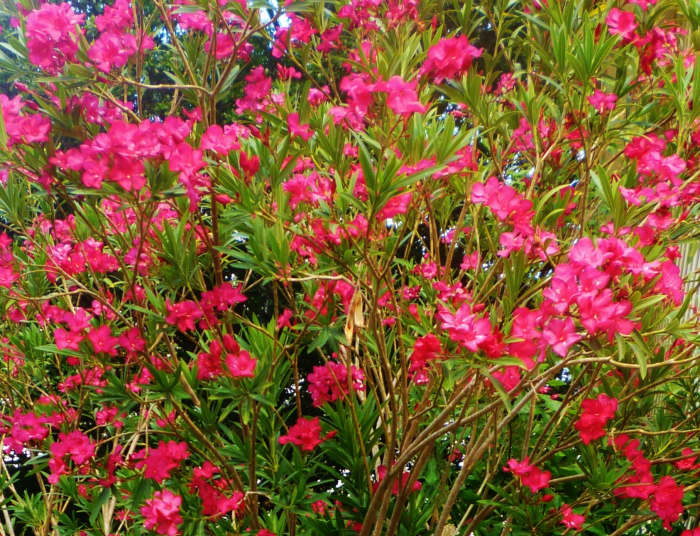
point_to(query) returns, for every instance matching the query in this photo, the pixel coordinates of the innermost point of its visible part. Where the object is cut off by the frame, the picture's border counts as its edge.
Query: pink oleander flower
(570, 519)
(214, 492)
(643, 4)
(118, 16)
(23, 428)
(305, 434)
(506, 203)
(687, 463)
(240, 365)
(395, 206)
(162, 460)
(102, 340)
(183, 314)
(560, 334)
(398, 484)
(667, 501)
(449, 58)
(329, 382)
(602, 102)
(596, 413)
(529, 475)
(425, 349)
(303, 131)
(75, 445)
(162, 513)
(401, 97)
(621, 23)
(52, 36)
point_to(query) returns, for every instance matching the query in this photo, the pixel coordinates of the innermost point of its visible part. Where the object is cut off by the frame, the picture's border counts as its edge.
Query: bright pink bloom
(312, 189)
(256, 91)
(602, 101)
(560, 334)
(509, 377)
(425, 349)
(529, 475)
(283, 319)
(183, 314)
(222, 298)
(220, 140)
(296, 129)
(23, 428)
(330, 382)
(316, 96)
(689, 462)
(211, 491)
(640, 485)
(596, 413)
(162, 460)
(466, 328)
(67, 340)
(449, 58)
(306, 434)
(7, 276)
(401, 96)
(506, 203)
(644, 4)
(330, 39)
(102, 340)
(395, 206)
(209, 364)
(319, 507)
(569, 519)
(240, 364)
(670, 282)
(162, 512)
(108, 415)
(52, 36)
(21, 128)
(359, 89)
(399, 483)
(115, 17)
(113, 49)
(621, 23)
(75, 445)
(667, 501)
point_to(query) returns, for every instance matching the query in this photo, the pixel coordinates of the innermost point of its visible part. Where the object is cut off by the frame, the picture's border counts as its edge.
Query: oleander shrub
(374, 267)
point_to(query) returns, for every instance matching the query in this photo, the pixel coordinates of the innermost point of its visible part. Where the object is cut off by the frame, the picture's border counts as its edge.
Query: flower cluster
(232, 232)
(333, 381)
(160, 461)
(596, 412)
(53, 32)
(238, 362)
(528, 474)
(305, 434)
(162, 513)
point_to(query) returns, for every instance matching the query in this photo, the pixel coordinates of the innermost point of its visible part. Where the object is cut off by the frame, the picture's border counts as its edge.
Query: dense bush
(400, 267)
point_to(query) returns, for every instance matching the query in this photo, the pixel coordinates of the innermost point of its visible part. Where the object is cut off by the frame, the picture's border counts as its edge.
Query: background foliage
(404, 267)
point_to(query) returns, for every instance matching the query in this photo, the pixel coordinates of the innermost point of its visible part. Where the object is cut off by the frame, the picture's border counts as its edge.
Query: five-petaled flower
(529, 475)
(596, 413)
(305, 434)
(162, 512)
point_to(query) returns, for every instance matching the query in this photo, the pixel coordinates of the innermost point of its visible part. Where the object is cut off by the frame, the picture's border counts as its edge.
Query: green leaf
(642, 353)
(96, 506)
(3, 132)
(500, 391)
